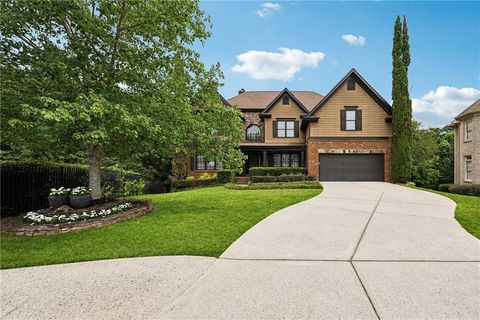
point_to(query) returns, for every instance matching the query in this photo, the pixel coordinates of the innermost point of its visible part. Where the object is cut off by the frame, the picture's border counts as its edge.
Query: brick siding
(347, 146)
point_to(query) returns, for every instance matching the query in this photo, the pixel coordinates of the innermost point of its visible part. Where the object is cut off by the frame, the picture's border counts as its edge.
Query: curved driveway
(359, 250)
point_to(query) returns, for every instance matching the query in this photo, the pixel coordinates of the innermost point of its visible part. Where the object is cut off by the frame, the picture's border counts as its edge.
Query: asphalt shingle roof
(261, 99)
(475, 107)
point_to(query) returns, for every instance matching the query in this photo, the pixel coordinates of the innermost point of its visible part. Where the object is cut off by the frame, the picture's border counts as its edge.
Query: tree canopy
(112, 78)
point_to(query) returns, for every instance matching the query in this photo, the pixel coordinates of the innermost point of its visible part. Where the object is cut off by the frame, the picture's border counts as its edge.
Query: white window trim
(466, 130)
(468, 160)
(347, 121)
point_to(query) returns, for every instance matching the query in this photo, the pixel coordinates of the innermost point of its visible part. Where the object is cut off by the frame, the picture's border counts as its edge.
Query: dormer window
(285, 100)
(350, 84)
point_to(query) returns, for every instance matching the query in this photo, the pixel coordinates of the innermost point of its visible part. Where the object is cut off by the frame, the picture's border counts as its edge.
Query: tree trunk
(94, 179)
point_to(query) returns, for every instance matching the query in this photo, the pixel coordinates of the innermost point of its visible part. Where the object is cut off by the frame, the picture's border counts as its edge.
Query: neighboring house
(467, 145)
(342, 136)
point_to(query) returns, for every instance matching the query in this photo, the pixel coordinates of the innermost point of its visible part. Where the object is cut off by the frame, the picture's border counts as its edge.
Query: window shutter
(358, 122)
(296, 129)
(342, 120)
(275, 133)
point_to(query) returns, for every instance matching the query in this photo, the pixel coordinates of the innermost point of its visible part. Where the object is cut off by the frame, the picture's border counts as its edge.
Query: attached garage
(351, 167)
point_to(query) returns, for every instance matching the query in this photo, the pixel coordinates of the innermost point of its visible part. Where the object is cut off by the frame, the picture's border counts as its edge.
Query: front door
(254, 160)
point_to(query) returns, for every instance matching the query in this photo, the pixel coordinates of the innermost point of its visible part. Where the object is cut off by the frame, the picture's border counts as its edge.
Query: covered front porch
(262, 155)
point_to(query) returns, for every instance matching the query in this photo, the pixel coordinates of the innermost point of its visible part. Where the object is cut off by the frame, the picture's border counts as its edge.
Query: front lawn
(196, 222)
(467, 212)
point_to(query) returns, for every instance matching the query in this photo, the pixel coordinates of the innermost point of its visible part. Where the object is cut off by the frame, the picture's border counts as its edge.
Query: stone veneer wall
(347, 146)
(253, 118)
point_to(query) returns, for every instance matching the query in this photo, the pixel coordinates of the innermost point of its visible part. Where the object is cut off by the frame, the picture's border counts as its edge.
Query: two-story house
(344, 135)
(467, 145)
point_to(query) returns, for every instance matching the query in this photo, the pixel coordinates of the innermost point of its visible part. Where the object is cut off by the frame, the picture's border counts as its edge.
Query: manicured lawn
(467, 212)
(196, 222)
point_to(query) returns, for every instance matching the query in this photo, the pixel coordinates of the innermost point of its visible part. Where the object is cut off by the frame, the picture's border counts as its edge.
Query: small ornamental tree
(112, 78)
(402, 105)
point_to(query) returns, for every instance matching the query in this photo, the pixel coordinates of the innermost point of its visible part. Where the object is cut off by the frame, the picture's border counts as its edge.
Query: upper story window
(350, 119)
(468, 168)
(253, 133)
(350, 84)
(468, 130)
(285, 129)
(285, 100)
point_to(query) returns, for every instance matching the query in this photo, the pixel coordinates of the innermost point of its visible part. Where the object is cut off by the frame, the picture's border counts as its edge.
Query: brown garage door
(351, 167)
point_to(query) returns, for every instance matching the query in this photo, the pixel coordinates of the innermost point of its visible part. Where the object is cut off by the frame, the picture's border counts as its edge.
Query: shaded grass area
(276, 185)
(467, 212)
(196, 222)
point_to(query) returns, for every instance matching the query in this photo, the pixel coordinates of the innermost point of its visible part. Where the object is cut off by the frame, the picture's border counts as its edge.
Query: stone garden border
(17, 226)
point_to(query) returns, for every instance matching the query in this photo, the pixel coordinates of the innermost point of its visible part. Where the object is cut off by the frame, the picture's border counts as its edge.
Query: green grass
(196, 222)
(276, 185)
(467, 212)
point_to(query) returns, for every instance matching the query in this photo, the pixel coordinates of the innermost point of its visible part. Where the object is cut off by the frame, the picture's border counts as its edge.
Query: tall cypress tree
(405, 44)
(402, 109)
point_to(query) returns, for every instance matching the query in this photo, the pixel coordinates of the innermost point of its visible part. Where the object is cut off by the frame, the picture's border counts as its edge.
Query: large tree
(402, 106)
(111, 78)
(425, 164)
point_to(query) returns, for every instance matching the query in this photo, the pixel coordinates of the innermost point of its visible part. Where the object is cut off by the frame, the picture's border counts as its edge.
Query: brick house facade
(344, 135)
(467, 145)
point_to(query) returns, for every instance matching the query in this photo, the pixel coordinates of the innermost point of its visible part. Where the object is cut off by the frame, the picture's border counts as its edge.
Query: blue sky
(303, 46)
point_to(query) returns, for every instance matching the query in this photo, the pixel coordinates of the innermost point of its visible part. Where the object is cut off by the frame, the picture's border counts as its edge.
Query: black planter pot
(57, 201)
(78, 202)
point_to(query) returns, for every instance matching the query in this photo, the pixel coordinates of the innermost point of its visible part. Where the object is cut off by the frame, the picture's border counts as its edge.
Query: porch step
(242, 180)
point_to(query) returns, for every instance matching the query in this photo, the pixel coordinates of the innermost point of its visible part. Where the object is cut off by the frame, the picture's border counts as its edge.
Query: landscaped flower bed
(66, 219)
(39, 217)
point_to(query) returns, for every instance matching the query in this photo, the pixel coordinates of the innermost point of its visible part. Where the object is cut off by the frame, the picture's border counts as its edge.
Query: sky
(311, 45)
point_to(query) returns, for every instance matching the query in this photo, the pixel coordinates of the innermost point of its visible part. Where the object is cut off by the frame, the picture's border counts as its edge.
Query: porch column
(302, 158)
(265, 159)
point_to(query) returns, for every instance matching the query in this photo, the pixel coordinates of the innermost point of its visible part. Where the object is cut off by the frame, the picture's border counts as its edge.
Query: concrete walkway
(360, 250)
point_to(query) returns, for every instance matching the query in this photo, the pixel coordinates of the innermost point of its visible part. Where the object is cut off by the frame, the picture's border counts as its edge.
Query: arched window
(350, 84)
(253, 133)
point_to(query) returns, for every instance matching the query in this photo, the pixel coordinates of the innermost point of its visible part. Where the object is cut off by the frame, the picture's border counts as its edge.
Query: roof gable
(279, 96)
(475, 107)
(258, 100)
(224, 101)
(364, 84)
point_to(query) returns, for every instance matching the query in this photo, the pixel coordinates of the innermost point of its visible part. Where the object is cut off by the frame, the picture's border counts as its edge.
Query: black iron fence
(25, 187)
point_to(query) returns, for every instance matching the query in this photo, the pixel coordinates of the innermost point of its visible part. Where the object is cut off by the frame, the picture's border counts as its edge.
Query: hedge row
(25, 186)
(276, 185)
(225, 175)
(277, 171)
(186, 184)
(465, 189)
(282, 178)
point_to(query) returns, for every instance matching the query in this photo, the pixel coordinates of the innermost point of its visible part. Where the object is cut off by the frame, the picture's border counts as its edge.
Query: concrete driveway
(360, 250)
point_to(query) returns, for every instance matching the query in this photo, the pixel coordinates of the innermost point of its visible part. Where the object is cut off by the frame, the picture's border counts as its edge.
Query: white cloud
(263, 65)
(354, 40)
(267, 8)
(438, 107)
